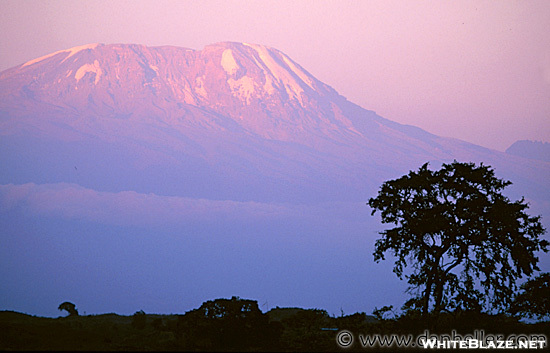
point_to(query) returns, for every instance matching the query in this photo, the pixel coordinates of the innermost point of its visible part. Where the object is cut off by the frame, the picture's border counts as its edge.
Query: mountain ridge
(530, 149)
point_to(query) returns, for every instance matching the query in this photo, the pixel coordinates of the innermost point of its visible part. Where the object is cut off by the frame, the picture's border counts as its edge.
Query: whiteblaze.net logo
(477, 340)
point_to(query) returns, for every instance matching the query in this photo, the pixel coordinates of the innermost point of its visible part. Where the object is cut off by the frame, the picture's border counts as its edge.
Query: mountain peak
(530, 149)
(252, 71)
(259, 87)
(275, 71)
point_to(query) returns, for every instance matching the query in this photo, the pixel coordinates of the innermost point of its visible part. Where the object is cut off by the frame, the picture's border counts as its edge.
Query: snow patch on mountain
(276, 74)
(229, 63)
(199, 88)
(154, 68)
(302, 75)
(84, 69)
(242, 88)
(71, 51)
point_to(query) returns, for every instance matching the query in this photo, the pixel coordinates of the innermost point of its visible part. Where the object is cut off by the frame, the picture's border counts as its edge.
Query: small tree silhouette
(68, 307)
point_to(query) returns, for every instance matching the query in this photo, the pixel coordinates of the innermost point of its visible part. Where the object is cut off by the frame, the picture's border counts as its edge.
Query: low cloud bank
(71, 201)
(128, 207)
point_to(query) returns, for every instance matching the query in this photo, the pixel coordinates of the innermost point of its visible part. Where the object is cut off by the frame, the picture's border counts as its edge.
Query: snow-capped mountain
(153, 178)
(232, 121)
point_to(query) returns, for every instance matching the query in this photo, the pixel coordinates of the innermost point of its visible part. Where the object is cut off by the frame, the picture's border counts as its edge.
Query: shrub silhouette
(68, 307)
(226, 324)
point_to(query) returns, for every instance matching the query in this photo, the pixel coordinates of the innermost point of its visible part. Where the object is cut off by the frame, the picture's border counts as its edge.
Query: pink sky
(474, 70)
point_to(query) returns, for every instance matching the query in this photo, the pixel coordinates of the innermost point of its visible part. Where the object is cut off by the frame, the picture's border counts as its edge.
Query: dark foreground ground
(281, 329)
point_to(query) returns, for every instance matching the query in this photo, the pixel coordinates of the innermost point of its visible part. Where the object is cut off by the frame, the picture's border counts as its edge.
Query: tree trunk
(438, 295)
(429, 283)
(426, 303)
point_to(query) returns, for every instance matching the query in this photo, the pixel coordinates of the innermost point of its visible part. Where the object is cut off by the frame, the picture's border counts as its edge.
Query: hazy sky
(474, 70)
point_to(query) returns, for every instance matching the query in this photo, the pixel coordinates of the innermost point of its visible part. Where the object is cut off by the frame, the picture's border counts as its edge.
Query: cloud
(72, 201)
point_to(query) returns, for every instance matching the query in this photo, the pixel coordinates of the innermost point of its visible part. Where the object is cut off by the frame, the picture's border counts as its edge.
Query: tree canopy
(221, 323)
(466, 242)
(68, 307)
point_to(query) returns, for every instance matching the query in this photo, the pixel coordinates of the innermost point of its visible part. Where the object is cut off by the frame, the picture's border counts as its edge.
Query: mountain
(156, 178)
(232, 121)
(530, 149)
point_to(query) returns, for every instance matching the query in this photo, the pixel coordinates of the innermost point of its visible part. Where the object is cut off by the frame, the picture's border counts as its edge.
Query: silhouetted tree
(466, 242)
(534, 300)
(68, 307)
(226, 324)
(383, 313)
